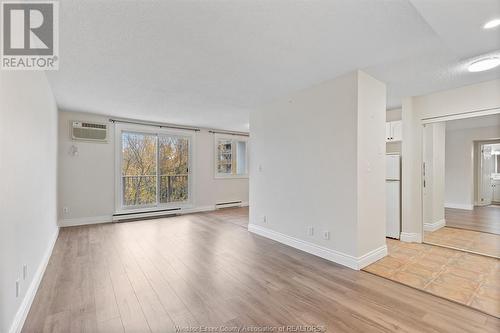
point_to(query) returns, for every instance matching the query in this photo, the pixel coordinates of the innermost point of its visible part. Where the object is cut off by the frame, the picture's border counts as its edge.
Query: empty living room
(249, 166)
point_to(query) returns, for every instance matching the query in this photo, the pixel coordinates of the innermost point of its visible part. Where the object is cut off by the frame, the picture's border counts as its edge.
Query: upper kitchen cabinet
(393, 131)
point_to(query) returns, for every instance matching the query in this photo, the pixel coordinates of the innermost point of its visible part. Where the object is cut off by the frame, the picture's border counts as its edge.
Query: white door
(486, 170)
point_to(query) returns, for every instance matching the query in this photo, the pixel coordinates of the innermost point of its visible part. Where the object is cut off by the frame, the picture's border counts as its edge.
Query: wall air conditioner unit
(86, 131)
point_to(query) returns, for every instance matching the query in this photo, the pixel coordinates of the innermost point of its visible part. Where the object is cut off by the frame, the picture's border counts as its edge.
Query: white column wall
(317, 161)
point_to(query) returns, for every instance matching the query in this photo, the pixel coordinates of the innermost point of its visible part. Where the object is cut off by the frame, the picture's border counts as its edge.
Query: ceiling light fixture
(484, 64)
(492, 24)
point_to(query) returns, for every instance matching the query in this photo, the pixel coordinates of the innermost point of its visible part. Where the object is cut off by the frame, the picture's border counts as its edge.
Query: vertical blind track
(229, 133)
(188, 128)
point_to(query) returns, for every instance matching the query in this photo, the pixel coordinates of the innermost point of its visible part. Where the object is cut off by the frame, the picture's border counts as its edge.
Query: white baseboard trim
(459, 206)
(482, 204)
(24, 308)
(372, 256)
(344, 259)
(85, 220)
(109, 218)
(411, 237)
(435, 225)
(245, 204)
(197, 209)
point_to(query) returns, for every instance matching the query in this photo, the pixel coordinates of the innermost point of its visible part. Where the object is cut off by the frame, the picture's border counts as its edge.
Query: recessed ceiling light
(492, 24)
(484, 64)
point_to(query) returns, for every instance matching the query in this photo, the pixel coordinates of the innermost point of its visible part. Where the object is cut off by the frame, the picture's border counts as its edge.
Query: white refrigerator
(393, 193)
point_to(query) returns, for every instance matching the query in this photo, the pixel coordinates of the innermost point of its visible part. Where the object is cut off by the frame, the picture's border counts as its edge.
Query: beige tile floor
(466, 278)
(468, 240)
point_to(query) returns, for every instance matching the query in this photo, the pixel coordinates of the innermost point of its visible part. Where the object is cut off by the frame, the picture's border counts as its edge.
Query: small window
(231, 157)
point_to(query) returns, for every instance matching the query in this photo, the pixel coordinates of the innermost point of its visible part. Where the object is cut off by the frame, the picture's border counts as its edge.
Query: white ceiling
(208, 63)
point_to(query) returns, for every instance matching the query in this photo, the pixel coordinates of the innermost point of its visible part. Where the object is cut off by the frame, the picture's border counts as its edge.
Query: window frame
(120, 128)
(234, 139)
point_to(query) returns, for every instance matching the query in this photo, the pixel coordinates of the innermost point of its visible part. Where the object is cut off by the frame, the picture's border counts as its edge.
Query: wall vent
(85, 131)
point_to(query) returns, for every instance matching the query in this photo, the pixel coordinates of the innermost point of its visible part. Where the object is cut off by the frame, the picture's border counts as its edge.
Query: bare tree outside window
(138, 169)
(174, 168)
(140, 154)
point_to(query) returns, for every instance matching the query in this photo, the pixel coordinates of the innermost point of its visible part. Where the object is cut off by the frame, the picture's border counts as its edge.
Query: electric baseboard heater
(227, 204)
(122, 217)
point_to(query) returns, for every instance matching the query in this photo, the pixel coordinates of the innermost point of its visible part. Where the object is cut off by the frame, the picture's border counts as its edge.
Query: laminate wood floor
(484, 219)
(208, 270)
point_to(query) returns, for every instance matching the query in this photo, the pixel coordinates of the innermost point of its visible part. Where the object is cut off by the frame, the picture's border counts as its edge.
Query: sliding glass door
(173, 168)
(138, 169)
(154, 169)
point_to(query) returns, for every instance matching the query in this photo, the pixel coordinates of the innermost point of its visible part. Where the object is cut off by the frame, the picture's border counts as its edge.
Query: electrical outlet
(25, 271)
(18, 288)
(264, 219)
(310, 230)
(66, 210)
(326, 235)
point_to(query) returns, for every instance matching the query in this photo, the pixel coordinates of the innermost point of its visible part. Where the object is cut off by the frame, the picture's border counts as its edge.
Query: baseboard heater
(227, 204)
(123, 217)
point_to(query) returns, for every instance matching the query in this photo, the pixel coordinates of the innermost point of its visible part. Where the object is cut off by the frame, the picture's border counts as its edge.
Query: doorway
(488, 173)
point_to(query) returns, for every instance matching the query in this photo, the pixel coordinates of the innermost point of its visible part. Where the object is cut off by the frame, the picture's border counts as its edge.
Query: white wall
(460, 164)
(317, 160)
(28, 144)
(473, 98)
(411, 173)
(371, 184)
(86, 181)
(209, 190)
